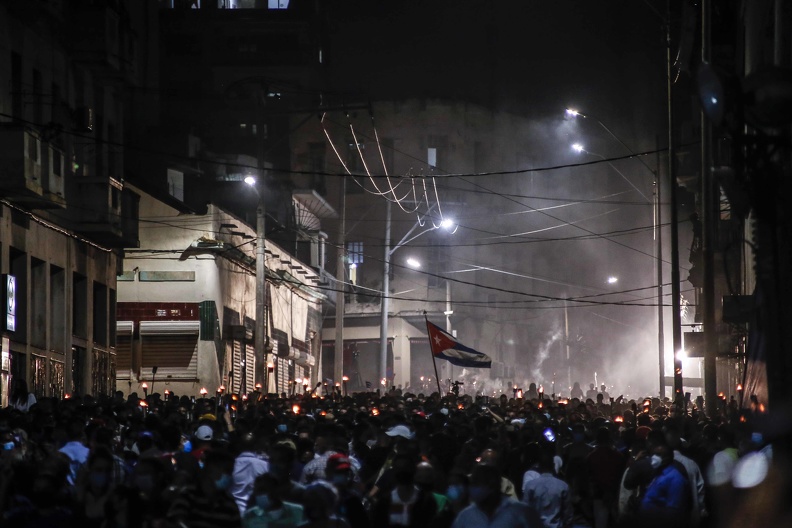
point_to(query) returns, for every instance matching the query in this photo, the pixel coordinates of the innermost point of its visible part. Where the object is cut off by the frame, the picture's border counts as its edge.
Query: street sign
(9, 283)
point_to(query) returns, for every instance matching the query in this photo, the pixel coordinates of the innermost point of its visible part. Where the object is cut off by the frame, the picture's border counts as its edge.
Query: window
(431, 157)
(176, 184)
(436, 146)
(277, 4)
(355, 252)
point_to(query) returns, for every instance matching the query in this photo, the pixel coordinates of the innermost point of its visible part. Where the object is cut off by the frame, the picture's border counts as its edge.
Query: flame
(618, 419)
(761, 407)
(375, 411)
(296, 409)
(203, 391)
(143, 403)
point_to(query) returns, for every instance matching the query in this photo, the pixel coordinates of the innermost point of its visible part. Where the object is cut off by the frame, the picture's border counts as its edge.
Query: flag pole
(434, 361)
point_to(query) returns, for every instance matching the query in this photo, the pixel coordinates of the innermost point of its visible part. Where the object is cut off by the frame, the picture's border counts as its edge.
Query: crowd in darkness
(388, 459)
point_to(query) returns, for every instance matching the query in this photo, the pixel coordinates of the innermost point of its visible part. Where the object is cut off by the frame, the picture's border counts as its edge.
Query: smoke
(552, 339)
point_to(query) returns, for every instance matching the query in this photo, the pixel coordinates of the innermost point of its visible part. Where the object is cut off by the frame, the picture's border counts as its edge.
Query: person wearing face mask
(490, 508)
(350, 506)
(456, 497)
(667, 501)
(281, 460)
(267, 509)
(94, 487)
(209, 503)
(249, 464)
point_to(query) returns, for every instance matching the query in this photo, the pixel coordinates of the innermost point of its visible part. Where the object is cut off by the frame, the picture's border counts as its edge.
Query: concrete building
(65, 209)
(186, 306)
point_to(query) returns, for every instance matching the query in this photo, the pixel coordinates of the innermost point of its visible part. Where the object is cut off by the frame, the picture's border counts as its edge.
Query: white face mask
(656, 461)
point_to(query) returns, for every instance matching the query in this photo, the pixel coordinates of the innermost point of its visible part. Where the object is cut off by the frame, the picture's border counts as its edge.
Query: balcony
(21, 164)
(108, 213)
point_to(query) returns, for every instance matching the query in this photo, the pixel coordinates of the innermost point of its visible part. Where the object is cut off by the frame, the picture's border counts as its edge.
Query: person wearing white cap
(401, 430)
(202, 440)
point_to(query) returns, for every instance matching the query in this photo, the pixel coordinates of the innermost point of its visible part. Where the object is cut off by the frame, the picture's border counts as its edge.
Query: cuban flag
(445, 346)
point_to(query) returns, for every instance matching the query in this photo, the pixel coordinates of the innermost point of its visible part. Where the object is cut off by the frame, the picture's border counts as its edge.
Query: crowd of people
(375, 459)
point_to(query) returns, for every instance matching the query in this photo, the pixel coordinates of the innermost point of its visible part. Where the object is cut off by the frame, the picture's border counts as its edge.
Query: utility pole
(383, 344)
(338, 363)
(676, 315)
(262, 374)
(709, 217)
(448, 312)
(660, 295)
(566, 345)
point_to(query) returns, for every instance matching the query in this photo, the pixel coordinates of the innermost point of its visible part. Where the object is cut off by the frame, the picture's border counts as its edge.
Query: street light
(260, 335)
(613, 280)
(445, 223)
(413, 263)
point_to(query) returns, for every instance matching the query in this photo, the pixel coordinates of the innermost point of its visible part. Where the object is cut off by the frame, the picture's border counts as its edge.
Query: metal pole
(709, 215)
(338, 363)
(383, 351)
(676, 316)
(566, 343)
(262, 375)
(448, 328)
(660, 294)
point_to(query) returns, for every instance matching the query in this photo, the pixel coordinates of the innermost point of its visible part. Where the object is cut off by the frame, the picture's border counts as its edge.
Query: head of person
(591, 386)
(485, 487)
(320, 500)
(100, 470)
(457, 491)
(19, 394)
(150, 477)
(266, 494)
(425, 477)
(339, 471)
(49, 481)
(603, 437)
(490, 457)
(282, 456)
(404, 470)
(203, 435)
(662, 456)
(217, 471)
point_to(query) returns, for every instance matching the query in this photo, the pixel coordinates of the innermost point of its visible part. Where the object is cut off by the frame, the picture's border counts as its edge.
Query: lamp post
(389, 251)
(260, 337)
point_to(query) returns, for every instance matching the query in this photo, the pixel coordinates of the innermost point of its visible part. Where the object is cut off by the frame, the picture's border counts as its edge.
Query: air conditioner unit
(84, 118)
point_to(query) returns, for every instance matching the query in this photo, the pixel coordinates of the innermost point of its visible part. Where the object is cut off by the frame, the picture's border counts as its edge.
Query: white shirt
(247, 467)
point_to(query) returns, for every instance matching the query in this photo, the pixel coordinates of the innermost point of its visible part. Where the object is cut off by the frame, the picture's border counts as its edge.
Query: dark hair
(20, 393)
